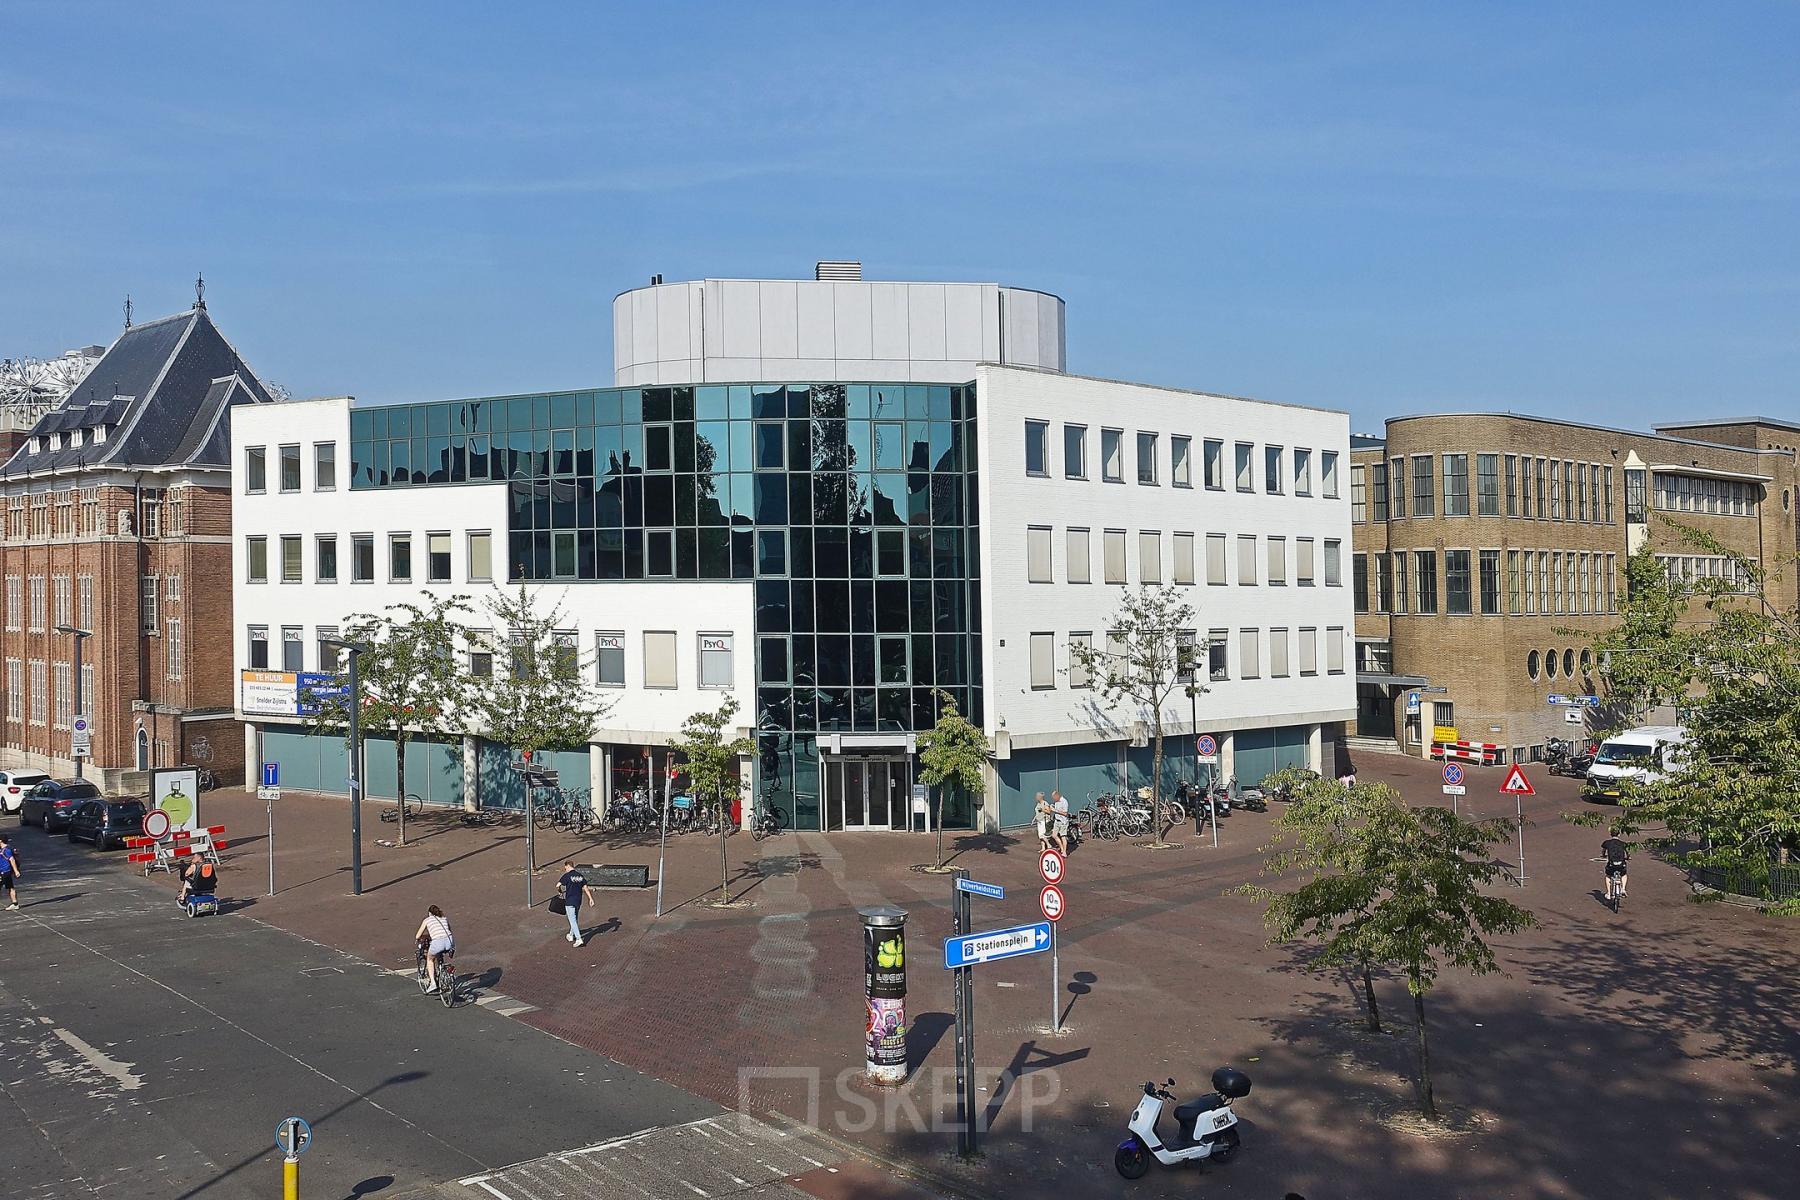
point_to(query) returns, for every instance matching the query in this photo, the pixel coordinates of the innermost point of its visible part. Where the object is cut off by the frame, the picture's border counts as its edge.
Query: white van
(1642, 755)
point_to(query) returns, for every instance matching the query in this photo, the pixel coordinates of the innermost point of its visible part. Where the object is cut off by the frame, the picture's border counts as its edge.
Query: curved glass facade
(850, 507)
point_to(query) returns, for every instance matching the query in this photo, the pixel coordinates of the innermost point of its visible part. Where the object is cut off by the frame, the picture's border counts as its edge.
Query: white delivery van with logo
(1642, 755)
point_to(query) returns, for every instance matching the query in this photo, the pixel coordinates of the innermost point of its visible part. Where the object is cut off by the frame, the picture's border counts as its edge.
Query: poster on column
(176, 791)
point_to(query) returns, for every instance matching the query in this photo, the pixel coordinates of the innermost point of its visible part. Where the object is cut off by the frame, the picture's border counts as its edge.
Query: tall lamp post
(81, 635)
(354, 701)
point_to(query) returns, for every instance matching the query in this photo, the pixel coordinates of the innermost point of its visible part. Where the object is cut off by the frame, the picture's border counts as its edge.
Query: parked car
(14, 785)
(106, 823)
(49, 803)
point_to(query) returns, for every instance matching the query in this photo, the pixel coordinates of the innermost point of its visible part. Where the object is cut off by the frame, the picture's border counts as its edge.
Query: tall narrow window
(362, 558)
(1397, 481)
(1456, 582)
(1249, 654)
(1215, 558)
(291, 571)
(1514, 593)
(1043, 661)
(1278, 653)
(256, 469)
(1425, 573)
(1146, 458)
(400, 557)
(1303, 562)
(1037, 448)
(1359, 583)
(1359, 494)
(256, 559)
(1181, 467)
(1114, 551)
(1490, 582)
(1378, 493)
(1245, 466)
(609, 659)
(1606, 495)
(1149, 556)
(174, 648)
(1302, 472)
(1112, 455)
(1334, 650)
(1037, 554)
(1512, 485)
(437, 558)
(481, 556)
(290, 468)
(659, 659)
(1215, 463)
(1218, 660)
(1384, 584)
(1077, 556)
(1079, 676)
(1556, 509)
(716, 670)
(1272, 470)
(258, 646)
(1183, 572)
(293, 648)
(1334, 568)
(1487, 485)
(1328, 473)
(1309, 651)
(1075, 451)
(1277, 561)
(324, 466)
(1246, 564)
(1456, 485)
(325, 564)
(1424, 498)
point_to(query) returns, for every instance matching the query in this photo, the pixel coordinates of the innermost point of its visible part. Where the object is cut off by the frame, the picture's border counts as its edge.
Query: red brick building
(118, 521)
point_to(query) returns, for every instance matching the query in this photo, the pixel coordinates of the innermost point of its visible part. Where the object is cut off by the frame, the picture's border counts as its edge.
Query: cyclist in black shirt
(1616, 852)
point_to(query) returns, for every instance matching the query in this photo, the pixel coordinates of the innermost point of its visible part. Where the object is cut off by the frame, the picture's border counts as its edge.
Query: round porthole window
(1787, 499)
(1550, 663)
(1569, 663)
(1531, 664)
(1587, 662)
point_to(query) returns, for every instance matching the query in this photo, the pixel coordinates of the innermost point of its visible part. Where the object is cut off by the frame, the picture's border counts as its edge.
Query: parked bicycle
(769, 822)
(415, 806)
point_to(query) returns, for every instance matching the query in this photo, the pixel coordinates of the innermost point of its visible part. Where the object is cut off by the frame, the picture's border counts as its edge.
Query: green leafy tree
(952, 753)
(411, 681)
(1145, 662)
(1378, 884)
(1730, 797)
(537, 698)
(712, 758)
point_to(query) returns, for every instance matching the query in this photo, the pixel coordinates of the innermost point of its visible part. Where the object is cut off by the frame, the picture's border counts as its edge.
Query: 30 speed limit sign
(1050, 866)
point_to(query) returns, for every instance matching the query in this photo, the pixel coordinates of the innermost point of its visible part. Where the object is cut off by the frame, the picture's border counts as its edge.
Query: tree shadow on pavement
(428, 868)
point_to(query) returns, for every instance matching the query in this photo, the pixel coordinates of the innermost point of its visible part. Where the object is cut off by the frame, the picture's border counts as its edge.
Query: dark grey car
(49, 804)
(106, 823)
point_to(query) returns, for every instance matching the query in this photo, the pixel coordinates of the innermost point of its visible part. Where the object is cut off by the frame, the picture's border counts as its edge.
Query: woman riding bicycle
(434, 934)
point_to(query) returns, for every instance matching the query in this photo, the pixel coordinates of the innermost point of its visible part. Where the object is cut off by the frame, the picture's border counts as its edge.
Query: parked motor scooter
(1204, 1129)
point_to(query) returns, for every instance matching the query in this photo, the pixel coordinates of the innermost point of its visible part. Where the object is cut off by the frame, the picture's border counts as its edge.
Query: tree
(711, 757)
(1384, 884)
(412, 683)
(1144, 663)
(1728, 798)
(539, 701)
(952, 753)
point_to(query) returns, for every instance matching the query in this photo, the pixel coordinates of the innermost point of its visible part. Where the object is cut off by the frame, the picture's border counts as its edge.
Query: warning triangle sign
(1516, 784)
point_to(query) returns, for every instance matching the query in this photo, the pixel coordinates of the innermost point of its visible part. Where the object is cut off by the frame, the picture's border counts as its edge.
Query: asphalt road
(144, 1052)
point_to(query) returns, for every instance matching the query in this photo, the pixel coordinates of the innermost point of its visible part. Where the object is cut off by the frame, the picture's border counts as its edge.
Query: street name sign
(974, 949)
(975, 887)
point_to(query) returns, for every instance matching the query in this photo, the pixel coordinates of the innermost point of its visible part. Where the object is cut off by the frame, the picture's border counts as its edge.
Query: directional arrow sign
(976, 948)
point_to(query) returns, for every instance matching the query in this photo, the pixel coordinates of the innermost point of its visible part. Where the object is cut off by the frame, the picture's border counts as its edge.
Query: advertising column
(884, 982)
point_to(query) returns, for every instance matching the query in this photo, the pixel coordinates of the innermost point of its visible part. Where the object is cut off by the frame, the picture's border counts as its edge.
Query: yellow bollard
(290, 1178)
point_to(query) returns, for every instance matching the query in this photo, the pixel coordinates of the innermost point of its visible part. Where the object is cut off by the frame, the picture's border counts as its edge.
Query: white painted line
(487, 1187)
(690, 1187)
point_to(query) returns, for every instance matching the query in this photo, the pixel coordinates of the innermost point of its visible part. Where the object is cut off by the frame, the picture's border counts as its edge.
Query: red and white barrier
(1486, 754)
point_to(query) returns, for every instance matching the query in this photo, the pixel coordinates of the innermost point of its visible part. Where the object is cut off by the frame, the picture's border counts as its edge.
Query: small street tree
(536, 698)
(1381, 884)
(1141, 667)
(952, 753)
(411, 680)
(711, 756)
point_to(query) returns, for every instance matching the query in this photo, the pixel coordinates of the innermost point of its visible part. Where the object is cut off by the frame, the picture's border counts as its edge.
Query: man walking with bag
(575, 889)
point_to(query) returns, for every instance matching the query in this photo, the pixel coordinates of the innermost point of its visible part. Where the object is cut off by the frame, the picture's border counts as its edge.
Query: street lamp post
(353, 649)
(81, 635)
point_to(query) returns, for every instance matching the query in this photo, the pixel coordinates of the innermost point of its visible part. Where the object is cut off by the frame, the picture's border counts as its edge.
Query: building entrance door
(867, 793)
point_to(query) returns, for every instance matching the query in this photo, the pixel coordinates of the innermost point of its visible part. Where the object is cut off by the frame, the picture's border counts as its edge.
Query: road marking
(127, 1079)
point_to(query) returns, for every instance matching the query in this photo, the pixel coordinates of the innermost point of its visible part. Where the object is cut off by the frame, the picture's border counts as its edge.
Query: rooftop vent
(838, 270)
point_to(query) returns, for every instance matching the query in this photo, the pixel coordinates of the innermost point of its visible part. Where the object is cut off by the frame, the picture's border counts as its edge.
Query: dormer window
(37, 445)
(56, 441)
(99, 434)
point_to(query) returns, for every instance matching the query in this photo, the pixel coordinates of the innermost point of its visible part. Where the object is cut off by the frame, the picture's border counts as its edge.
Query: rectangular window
(1037, 554)
(40, 699)
(1456, 485)
(1075, 451)
(1112, 455)
(1149, 556)
(1555, 490)
(293, 650)
(1218, 655)
(659, 659)
(1114, 553)
(1302, 472)
(292, 569)
(481, 556)
(1186, 656)
(39, 610)
(1334, 650)
(400, 557)
(1582, 572)
(770, 453)
(1541, 489)
(1612, 596)
(1359, 583)
(1181, 467)
(1487, 485)
(1384, 584)
(1146, 458)
(1569, 565)
(290, 468)
(362, 558)
(63, 703)
(1077, 558)
(1424, 500)
(1278, 653)
(1037, 448)
(259, 647)
(890, 551)
(1606, 496)
(174, 648)
(1490, 582)
(1246, 565)
(1556, 578)
(256, 559)
(325, 564)
(1245, 479)
(84, 593)
(1213, 452)
(1118, 666)
(1569, 512)
(1359, 494)
(15, 689)
(256, 469)
(1512, 485)
(716, 669)
(1079, 643)
(15, 602)
(1272, 470)
(609, 660)
(1249, 654)
(1425, 598)
(565, 655)
(1537, 583)
(481, 653)
(1215, 558)
(1277, 561)
(1309, 651)
(1517, 583)
(324, 466)
(1303, 562)
(1184, 558)
(659, 553)
(437, 558)
(1043, 661)
(1456, 582)
(1328, 473)
(325, 638)
(1334, 565)
(773, 666)
(1378, 492)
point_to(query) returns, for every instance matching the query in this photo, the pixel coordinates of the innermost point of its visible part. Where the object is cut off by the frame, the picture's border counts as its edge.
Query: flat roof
(1775, 421)
(1590, 426)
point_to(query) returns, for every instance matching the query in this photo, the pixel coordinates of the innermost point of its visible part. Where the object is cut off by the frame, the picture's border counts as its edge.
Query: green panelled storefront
(434, 769)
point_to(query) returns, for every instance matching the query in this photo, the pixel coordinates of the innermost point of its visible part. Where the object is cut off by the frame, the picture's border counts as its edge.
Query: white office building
(832, 499)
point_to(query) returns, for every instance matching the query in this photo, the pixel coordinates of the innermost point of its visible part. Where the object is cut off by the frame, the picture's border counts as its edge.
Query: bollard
(884, 985)
(290, 1178)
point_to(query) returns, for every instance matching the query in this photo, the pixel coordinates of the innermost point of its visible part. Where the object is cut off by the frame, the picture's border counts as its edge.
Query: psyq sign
(715, 641)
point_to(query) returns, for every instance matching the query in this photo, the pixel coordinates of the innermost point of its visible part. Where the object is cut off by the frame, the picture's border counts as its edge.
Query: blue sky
(1574, 210)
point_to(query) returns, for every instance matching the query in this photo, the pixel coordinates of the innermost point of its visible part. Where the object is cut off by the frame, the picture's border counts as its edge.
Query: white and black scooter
(1206, 1129)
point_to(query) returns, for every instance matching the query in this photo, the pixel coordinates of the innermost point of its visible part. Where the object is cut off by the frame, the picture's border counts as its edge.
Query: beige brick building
(1485, 545)
(117, 520)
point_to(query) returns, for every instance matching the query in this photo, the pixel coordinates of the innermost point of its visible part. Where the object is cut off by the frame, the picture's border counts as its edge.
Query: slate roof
(164, 389)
